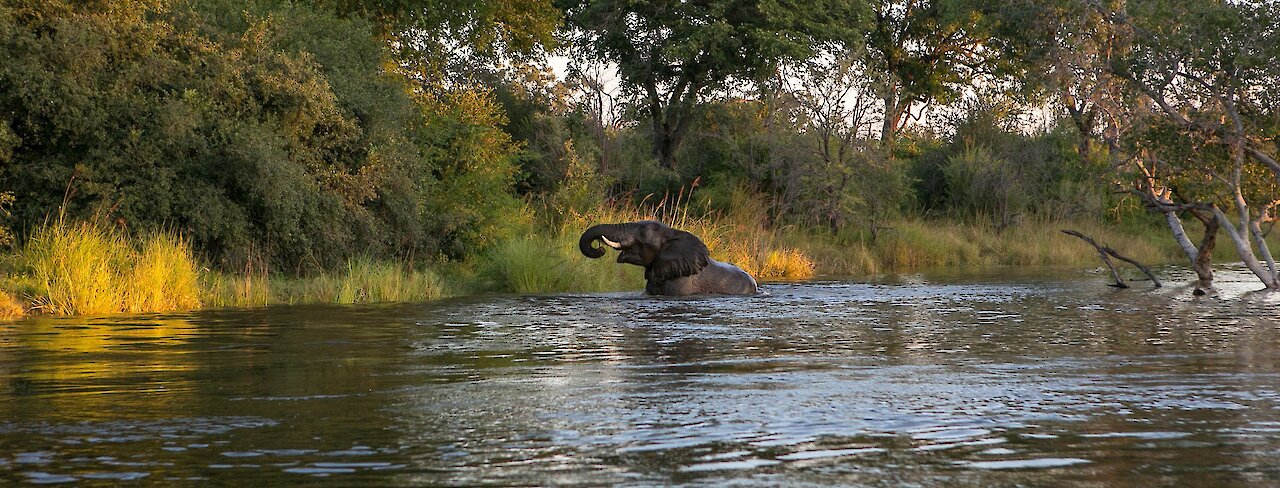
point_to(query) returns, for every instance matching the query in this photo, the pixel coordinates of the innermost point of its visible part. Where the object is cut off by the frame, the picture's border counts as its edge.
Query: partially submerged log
(1106, 253)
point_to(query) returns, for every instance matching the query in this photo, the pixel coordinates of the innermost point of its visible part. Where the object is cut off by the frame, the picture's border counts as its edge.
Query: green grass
(361, 280)
(541, 264)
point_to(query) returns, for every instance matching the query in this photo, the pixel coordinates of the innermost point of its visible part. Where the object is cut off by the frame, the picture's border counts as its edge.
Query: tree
(846, 175)
(675, 55)
(1207, 70)
(1114, 122)
(932, 50)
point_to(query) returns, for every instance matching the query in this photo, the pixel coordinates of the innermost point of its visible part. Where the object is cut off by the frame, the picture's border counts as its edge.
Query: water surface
(999, 377)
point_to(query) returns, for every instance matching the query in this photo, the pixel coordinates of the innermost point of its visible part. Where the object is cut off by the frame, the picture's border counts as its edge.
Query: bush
(269, 133)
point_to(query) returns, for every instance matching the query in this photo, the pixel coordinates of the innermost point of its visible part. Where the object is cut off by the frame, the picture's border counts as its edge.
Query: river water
(997, 377)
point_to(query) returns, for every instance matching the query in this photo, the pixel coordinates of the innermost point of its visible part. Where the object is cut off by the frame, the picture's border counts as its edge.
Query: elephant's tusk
(610, 243)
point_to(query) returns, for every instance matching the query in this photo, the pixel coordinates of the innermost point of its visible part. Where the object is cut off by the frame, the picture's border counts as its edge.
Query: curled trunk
(611, 234)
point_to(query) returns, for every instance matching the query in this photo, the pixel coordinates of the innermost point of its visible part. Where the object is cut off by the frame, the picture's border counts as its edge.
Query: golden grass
(10, 308)
(84, 269)
(786, 263)
(163, 276)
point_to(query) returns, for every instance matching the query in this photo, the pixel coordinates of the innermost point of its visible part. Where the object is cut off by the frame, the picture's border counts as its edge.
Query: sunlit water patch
(1000, 377)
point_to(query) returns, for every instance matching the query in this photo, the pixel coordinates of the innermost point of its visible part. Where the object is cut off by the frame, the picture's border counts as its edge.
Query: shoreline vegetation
(171, 155)
(83, 268)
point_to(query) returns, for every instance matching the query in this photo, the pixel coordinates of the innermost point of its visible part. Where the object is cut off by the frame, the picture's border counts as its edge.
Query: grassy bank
(926, 244)
(83, 269)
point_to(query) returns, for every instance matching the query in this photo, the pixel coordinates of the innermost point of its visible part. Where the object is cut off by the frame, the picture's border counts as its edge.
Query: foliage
(1206, 73)
(988, 169)
(6, 201)
(469, 203)
(271, 133)
(924, 51)
(674, 55)
(442, 39)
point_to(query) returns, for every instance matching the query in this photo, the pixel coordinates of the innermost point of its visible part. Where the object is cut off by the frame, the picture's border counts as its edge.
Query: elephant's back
(729, 279)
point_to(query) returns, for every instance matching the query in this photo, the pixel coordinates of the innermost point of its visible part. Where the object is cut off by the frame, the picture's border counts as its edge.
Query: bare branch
(1104, 252)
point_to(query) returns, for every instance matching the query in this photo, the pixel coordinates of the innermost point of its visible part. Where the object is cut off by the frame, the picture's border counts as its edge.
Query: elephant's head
(665, 253)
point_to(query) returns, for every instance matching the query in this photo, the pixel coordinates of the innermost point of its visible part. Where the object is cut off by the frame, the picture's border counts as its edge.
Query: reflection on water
(1001, 377)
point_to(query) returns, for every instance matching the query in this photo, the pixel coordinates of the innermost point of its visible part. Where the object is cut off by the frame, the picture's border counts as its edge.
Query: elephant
(675, 262)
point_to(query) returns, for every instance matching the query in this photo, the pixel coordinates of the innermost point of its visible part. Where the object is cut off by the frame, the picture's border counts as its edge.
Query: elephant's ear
(683, 255)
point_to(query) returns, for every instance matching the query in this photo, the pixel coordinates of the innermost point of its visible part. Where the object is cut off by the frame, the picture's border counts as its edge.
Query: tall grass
(361, 280)
(163, 276)
(248, 288)
(364, 280)
(85, 269)
(915, 244)
(551, 263)
(738, 235)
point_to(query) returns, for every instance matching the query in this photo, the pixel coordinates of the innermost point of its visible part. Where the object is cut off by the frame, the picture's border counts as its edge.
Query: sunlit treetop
(510, 27)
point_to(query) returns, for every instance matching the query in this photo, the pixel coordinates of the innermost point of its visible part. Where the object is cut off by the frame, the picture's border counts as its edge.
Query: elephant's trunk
(616, 236)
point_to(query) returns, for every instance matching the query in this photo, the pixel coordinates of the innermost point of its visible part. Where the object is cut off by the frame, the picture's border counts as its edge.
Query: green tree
(930, 51)
(451, 41)
(673, 56)
(272, 132)
(1206, 72)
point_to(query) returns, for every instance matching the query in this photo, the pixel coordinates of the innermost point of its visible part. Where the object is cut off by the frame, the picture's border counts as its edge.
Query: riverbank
(86, 269)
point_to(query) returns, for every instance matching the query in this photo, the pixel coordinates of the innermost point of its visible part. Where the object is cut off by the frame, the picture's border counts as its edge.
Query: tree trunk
(664, 148)
(1244, 247)
(893, 110)
(1201, 256)
(1202, 263)
(669, 129)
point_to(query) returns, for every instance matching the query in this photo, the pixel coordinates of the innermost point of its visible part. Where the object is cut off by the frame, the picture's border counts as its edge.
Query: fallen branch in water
(1106, 253)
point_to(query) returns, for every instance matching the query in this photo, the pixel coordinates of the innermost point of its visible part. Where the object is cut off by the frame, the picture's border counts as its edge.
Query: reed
(918, 244)
(248, 288)
(366, 280)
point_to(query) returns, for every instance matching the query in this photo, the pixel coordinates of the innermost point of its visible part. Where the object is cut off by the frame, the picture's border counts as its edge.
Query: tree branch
(1104, 251)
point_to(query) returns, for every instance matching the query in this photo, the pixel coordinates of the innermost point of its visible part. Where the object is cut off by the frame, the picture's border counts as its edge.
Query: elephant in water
(675, 262)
